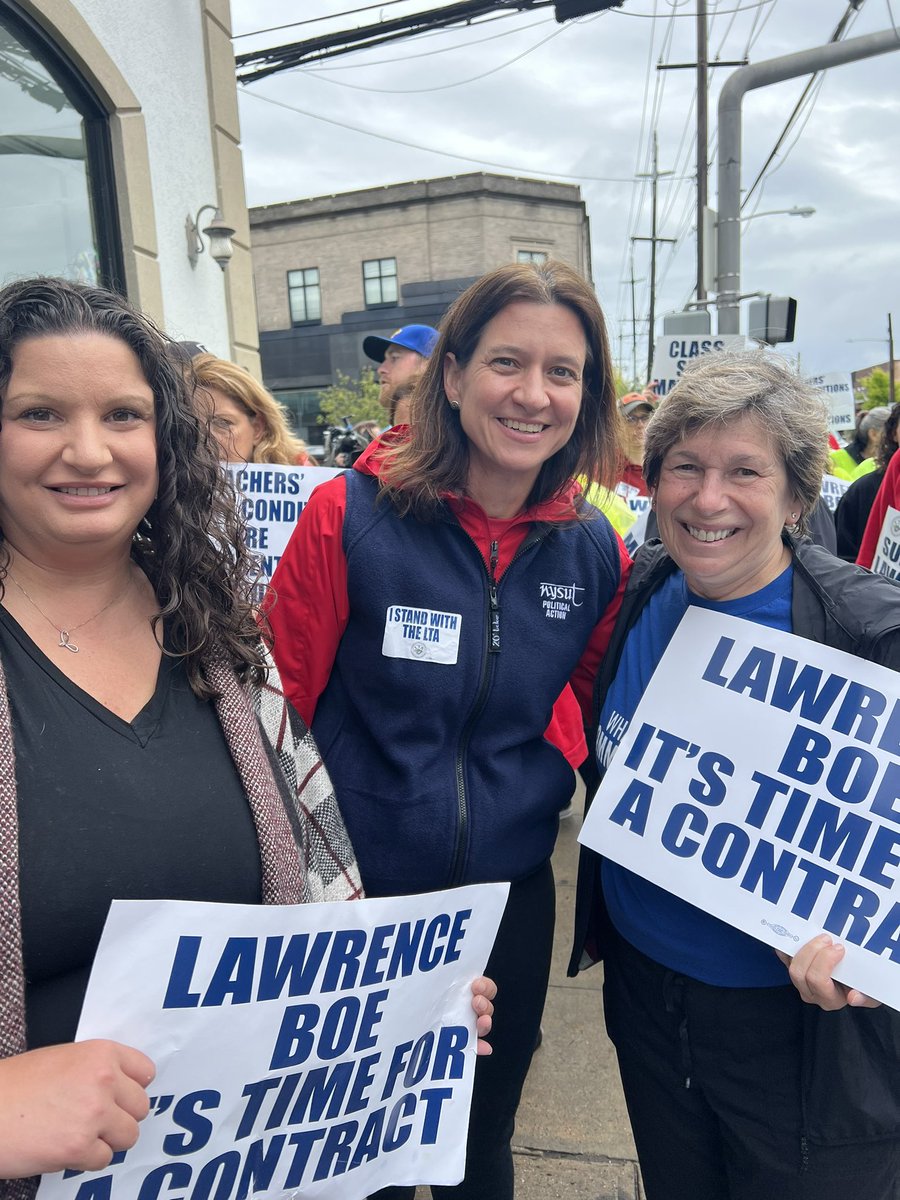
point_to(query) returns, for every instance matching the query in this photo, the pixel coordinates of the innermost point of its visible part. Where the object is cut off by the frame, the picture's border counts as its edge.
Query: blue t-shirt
(669, 930)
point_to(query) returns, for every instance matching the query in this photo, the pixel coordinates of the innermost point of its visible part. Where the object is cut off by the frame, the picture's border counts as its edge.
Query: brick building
(331, 269)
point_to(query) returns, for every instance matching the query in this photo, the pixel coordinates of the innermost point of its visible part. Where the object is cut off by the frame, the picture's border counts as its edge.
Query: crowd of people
(140, 761)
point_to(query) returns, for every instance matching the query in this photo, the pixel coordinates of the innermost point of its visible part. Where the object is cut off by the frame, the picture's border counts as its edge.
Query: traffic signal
(567, 10)
(772, 319)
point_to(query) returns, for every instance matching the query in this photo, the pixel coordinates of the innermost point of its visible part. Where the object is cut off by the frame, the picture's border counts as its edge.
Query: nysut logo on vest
(558, 598)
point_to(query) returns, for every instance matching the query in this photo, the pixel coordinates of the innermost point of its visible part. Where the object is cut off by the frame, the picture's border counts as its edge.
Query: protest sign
(837, 389)
(832, 489)
(320, 1050)
(759, 779)
(636, 535)
(887, 555)
(672, 354)
(271, 498)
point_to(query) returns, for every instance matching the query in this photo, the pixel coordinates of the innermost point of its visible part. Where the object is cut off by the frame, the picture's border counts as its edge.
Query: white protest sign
(759, 779)
(271, 498)
(887, 555)
(837, 388)
(636, 535)
(832, 489)
(320, 1050)
(672, 354)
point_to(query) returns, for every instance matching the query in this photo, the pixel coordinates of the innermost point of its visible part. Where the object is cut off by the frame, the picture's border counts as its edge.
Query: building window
(531, 256)
(305, 296)
(58, 212)
(380, 282)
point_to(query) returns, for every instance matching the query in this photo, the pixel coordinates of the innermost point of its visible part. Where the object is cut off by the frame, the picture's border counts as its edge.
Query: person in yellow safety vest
(857, 458)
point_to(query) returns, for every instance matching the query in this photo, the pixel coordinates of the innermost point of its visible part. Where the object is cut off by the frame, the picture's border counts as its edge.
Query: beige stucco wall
(156, 275)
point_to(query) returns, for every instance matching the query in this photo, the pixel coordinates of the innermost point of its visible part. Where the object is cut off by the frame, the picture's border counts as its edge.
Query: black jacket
(852, 513)
(851, 1058)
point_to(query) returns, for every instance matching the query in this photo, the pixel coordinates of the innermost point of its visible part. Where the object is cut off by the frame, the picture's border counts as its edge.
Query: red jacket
(308, 607)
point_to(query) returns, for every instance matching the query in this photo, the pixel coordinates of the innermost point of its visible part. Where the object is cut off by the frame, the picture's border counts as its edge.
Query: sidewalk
(572, 1134)
(573, 1138)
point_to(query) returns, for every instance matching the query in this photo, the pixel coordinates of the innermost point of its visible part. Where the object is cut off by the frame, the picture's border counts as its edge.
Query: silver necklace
(65, 635)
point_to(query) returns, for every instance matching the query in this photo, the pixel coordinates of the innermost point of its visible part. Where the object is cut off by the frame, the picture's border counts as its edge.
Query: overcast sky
(578, 102)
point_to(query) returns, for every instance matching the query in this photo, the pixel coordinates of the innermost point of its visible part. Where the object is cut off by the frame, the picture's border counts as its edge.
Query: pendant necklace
(65, 635)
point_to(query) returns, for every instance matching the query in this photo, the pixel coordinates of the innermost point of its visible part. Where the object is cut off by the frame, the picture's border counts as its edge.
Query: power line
(808, 93)
(258, 64)
(482, 162)
(405, 58)
(443, 87)
(350, 12)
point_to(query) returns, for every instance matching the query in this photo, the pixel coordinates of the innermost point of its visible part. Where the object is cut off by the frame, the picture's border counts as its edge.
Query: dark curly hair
(887, 447)
(190, 543)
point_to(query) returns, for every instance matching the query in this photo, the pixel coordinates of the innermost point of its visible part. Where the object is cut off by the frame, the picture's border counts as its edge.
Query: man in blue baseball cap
(400, 356)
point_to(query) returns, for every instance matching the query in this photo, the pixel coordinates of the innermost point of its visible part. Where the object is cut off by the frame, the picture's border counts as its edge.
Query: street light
(796, 211)
(711, 236)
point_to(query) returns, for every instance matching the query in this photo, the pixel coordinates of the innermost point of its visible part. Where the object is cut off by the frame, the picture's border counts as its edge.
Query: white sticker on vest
(421, 634)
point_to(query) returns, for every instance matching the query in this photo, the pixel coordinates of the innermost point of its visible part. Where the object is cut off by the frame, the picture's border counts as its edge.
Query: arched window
(58, 213)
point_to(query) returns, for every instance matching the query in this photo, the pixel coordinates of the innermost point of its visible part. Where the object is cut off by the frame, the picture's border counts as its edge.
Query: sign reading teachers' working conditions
(837, 388)
(322, 1050)
(271, 498)
(759, 779)
(887, 554)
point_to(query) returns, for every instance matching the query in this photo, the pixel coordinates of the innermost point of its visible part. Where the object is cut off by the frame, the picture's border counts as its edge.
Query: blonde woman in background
(246, 420)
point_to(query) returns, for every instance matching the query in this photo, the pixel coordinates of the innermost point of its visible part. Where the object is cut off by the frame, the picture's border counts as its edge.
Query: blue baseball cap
(421, 338)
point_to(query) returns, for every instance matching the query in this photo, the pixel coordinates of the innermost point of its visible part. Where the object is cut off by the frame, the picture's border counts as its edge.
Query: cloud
(583, 103)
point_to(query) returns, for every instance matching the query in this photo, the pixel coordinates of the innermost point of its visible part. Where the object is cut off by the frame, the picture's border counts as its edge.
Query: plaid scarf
(305, 851)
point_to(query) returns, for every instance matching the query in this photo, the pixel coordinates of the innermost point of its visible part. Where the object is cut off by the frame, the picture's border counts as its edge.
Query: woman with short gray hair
(729, 1079)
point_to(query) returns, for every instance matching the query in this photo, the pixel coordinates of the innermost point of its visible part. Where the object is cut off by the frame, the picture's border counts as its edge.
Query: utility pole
(762, 74)
(654, 178)
(633, 281)
(702, 140)
(891, 386)
(702, 66)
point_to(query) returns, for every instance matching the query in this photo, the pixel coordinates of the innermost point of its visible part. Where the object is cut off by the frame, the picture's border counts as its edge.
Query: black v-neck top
(111, 809)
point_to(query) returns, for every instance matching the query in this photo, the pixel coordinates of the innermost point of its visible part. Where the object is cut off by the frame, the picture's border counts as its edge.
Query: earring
(794, 516)
(454, 404)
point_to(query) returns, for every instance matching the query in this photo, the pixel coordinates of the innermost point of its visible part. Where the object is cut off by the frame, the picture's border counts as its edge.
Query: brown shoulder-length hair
(190, 543)
(418, 474)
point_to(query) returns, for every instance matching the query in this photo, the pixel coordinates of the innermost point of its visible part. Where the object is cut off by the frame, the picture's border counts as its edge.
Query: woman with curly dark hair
(146, 750)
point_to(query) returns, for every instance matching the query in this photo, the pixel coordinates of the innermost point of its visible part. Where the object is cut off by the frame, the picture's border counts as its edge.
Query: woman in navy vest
(431, 606)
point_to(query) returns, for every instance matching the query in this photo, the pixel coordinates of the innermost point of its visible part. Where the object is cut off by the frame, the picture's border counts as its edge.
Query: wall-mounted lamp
(219, 233)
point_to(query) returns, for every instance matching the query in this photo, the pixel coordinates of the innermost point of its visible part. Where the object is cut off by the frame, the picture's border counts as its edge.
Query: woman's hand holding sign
(70, 1106)
(483, 992)
(810, 971)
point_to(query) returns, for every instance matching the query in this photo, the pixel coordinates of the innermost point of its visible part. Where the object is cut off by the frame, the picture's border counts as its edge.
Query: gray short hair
(874, 418)
(724, 386)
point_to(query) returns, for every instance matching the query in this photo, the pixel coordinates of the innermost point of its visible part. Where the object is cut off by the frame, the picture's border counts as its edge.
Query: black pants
(520, 966)
(712, 1083)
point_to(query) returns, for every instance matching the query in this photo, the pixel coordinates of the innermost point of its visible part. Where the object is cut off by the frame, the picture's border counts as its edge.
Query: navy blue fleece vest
(432, 722)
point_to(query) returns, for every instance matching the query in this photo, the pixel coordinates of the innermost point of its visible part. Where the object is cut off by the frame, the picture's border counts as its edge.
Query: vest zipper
(492, 601)
(492, 647)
